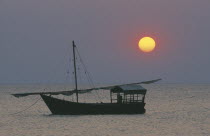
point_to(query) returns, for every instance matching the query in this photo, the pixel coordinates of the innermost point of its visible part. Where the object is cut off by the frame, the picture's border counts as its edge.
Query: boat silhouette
(124, 98)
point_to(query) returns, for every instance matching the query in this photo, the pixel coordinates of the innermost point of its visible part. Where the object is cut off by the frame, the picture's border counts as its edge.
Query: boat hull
(63, 107)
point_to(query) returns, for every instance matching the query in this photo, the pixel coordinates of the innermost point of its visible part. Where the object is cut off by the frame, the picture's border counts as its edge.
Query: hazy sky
(36, 36)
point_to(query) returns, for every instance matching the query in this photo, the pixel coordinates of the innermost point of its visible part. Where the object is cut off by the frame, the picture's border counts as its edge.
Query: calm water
(172, 110)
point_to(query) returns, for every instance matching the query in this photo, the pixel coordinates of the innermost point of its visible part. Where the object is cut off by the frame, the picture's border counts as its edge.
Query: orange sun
(147, 44)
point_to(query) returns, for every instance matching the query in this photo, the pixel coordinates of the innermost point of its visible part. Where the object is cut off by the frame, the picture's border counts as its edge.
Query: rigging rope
(87, 73)
(26, 108)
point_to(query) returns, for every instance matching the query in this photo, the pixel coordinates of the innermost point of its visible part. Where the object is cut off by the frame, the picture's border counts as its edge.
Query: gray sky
(36, 36)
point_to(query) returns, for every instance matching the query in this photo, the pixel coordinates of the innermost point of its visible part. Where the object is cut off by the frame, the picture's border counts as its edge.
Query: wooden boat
(124, 99)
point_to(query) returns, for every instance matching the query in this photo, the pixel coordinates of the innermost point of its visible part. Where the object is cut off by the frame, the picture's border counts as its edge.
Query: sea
(171, 110)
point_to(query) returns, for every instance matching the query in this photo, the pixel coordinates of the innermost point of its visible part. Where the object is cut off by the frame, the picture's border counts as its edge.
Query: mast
(75, 70)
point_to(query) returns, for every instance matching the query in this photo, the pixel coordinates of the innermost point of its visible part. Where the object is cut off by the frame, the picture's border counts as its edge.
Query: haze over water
(172, 110)
(36, 36)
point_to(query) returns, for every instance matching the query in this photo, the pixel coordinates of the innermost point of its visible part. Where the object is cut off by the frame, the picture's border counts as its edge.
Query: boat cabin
(128, 94)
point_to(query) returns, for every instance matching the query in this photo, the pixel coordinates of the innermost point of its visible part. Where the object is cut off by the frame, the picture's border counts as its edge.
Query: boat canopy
(129, 89)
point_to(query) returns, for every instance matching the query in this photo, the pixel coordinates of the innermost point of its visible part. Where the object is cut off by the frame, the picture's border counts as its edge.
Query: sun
(147, 44)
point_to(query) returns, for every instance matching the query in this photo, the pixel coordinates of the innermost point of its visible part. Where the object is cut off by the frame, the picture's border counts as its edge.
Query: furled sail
(71, 92)
(38, 93)
(67, 93)
(110, 87)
